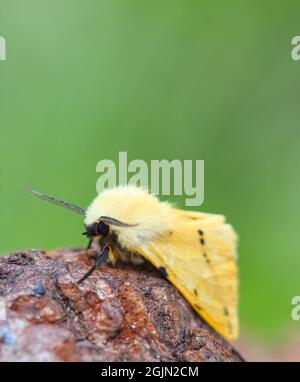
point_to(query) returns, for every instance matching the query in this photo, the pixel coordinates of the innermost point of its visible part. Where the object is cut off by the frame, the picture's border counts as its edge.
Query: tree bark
(121, 313)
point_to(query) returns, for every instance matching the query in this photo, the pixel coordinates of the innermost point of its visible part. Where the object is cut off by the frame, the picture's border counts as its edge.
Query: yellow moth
(195, 251)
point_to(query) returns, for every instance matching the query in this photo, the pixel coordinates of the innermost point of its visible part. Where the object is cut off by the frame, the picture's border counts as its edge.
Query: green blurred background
(208, 80)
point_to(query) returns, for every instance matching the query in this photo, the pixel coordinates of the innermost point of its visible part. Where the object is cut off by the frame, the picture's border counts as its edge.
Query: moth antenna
(58, 202)
(115, 222)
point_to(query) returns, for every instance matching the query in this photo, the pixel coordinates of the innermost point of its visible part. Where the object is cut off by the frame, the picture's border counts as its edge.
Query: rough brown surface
(125, 313)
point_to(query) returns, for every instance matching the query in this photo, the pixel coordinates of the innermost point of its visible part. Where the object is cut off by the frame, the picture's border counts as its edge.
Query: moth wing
(199, 256)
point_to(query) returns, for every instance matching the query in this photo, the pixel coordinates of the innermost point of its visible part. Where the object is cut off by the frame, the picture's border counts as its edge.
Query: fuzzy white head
(135, 206)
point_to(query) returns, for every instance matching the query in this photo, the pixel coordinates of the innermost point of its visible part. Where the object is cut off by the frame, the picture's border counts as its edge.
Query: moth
(195, 251)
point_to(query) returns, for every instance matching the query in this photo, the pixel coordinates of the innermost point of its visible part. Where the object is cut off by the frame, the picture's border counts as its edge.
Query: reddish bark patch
(121, 313)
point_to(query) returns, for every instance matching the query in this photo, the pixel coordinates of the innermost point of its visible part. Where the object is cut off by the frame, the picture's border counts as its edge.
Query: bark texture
(125, 313)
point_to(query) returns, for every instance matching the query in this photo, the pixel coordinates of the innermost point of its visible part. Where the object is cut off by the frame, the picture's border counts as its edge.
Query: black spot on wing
(206, 258)
(202, 242)
(195, 292)
(163, 272)
(201, 233)
(229, 326)
(225, 311)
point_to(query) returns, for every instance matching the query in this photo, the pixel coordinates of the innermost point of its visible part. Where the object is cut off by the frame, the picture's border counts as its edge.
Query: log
(121, 313)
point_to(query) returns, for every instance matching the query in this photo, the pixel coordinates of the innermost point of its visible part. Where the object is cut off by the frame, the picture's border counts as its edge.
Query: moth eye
(102, 228)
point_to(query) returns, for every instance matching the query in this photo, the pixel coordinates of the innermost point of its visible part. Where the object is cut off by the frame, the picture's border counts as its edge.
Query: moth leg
(101, 257)
(89, 244)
